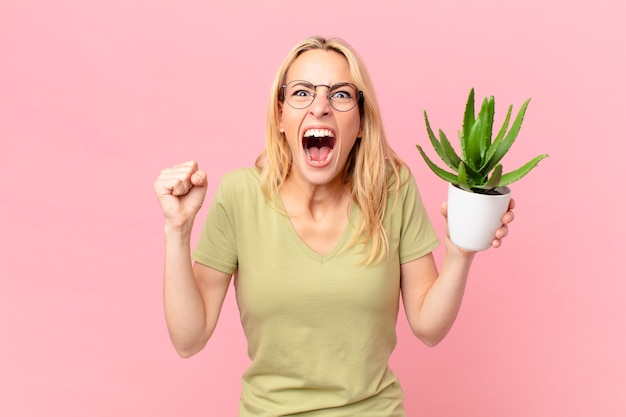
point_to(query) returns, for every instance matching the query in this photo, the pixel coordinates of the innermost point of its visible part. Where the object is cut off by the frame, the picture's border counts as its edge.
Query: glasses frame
(357, 102)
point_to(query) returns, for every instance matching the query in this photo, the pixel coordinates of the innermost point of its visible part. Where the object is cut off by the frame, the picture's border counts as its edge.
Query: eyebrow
(300, 82)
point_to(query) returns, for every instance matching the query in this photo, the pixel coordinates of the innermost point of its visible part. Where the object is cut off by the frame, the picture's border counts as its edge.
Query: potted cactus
(478, 192)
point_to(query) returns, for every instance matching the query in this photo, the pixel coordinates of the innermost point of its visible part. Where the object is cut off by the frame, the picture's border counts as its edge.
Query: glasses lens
(300, 94)
(343, 96)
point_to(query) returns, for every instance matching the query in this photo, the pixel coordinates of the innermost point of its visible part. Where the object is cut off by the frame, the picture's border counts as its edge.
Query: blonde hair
(373, 168)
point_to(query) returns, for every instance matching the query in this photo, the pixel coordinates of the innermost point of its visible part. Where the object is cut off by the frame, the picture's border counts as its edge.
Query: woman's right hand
(181, 190)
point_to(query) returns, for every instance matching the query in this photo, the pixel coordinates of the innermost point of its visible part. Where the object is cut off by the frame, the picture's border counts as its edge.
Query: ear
(280, 117)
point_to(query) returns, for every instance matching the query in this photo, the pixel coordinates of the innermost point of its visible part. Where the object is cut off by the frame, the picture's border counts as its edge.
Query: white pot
(474, 218)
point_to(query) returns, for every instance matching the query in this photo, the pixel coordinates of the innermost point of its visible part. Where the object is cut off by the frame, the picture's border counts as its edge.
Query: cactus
(478, 169)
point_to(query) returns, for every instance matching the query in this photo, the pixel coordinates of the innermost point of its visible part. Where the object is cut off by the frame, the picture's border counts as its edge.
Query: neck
(313, 198)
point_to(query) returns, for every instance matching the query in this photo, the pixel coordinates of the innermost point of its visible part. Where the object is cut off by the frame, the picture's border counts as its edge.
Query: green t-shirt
(320, 328)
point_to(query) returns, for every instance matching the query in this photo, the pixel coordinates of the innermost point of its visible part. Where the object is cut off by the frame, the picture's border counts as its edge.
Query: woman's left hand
(501, 233)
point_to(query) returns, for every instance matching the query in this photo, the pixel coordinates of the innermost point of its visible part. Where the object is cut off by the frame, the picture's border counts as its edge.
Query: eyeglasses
(343, 97)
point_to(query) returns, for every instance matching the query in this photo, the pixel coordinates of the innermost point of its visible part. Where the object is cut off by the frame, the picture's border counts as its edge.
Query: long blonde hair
(373, 168)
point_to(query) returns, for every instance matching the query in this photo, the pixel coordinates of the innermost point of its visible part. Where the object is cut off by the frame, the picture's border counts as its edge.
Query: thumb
(444, 209)
(199, 179)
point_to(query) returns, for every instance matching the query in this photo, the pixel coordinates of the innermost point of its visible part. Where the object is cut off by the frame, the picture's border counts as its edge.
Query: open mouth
(318, 144)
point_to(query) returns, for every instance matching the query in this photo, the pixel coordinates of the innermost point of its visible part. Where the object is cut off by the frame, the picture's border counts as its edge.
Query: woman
(322, 236)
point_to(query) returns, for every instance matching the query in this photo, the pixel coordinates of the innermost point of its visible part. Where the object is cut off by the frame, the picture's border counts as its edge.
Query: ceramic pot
(474, 218)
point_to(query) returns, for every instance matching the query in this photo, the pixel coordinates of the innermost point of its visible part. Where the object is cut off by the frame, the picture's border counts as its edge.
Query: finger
(444, 209)
(179, 171)
(172, 186)
(177, 180)
(189, 164)
(508, 217)
(502, 232)
(199, 179)
(182, 186)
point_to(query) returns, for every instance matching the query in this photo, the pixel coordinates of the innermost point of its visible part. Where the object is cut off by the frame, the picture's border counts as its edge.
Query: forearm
(442, 302)
(185, 313)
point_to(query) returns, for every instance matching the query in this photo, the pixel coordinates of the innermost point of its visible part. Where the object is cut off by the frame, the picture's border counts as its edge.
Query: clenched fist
(181, 191)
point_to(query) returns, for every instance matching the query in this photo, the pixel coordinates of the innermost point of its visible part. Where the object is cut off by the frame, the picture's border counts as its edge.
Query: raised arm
(431, 299)
(193, 294)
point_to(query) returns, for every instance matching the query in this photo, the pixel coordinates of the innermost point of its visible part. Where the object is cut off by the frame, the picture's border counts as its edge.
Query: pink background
(97, 96)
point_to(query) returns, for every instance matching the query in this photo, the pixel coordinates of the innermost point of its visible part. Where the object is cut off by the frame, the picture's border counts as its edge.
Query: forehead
(320, 67)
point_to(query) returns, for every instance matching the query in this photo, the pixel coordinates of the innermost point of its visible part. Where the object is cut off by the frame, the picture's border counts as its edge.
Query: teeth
(318, 133)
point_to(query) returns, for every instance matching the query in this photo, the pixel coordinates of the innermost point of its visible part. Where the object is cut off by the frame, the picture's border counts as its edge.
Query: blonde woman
(323, 236)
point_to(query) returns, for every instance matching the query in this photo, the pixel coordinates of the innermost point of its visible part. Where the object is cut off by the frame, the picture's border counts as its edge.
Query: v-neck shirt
(320, 327)
(293, 234)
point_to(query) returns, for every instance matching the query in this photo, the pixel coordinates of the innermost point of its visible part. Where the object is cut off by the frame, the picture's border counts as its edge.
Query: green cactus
(478, 169)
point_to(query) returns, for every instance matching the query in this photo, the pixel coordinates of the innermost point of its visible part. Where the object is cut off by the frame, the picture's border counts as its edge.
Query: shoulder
(242, 176)
(400, 179)
(241, 179)
(239, 185)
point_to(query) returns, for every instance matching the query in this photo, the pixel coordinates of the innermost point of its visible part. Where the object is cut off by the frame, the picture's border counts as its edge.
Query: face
(319, 136)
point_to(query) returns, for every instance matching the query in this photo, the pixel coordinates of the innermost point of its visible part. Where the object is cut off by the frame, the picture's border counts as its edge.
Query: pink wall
(97, 95)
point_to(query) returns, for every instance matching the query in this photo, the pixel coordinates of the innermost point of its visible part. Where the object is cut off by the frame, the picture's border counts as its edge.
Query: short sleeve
(417, 235)
(217, 246)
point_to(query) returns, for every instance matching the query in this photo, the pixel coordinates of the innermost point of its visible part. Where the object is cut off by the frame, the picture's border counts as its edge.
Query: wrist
(457, 253)
(178, 231)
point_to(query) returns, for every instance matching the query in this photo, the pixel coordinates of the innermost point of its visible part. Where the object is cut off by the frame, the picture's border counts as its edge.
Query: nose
(321, 102)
